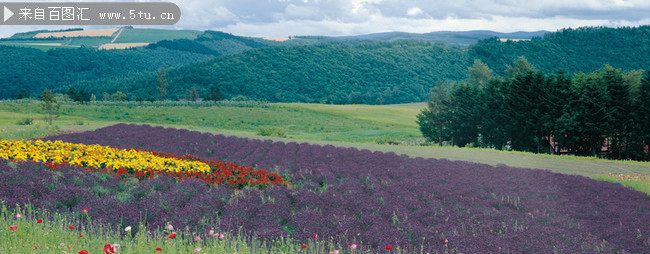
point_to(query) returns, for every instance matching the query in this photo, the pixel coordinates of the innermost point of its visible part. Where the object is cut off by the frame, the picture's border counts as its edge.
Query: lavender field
(349, 196)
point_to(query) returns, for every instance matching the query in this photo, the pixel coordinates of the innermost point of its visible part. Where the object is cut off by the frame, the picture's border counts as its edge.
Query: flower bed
(136, 162)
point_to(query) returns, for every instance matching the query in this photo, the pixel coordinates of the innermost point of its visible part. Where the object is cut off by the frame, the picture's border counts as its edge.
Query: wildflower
(34, 247)
(83, 252)
(389, 247)
(13, 228)
(71, 227)
(334, 252)
(84, 211)
(304, 246)
(39, 221)
(127, 229)
(158, 249)
(197, 238)
(109, 248)
(197, 249)
(211, 232)
(18, 216)
(62, 244)
(353, 247)
(315, 236)
(169, 227)
(445, 240)
(173, 235)
(81, 235)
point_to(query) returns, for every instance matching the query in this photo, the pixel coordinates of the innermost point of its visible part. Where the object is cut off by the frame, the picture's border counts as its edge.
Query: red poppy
(445, 240)
(315, 236)
(13, 228)
(84, 211)
(389, 247)
(158, 249)
(83, 252)
(81, 235)
(34, 247)
(173, 235)
(304, 246)
(71, 227)
(39, 221)
(108, 249)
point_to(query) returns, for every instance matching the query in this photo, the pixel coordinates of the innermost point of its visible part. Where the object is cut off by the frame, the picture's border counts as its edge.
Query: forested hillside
(328, 70)
(572, 50)
(34, 70)
(375, 73)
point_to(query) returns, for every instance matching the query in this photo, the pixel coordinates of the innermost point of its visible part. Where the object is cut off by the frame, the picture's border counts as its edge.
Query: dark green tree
(21, 94)
(214, 94)
(464, 110)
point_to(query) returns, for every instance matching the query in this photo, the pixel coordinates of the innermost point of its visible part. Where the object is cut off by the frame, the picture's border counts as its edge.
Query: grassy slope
(348, 125)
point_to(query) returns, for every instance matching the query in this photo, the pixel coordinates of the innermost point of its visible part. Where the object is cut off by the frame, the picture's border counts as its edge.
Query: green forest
(310, 69)
(602, 113)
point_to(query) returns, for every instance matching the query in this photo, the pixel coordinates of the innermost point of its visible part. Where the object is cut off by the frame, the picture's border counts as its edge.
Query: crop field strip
(378, 198)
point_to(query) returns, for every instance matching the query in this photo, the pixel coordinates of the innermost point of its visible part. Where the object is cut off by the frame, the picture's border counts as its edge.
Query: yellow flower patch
(96, 156)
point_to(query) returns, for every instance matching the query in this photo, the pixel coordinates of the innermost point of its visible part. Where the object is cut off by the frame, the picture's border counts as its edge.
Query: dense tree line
(602, 113)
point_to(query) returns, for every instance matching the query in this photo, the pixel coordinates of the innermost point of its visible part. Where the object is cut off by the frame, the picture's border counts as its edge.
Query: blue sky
(281, 18)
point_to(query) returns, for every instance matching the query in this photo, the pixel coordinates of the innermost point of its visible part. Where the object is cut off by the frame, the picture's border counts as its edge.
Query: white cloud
(414, 11)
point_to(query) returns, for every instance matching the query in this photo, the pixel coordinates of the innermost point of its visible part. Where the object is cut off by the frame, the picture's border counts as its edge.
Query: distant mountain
(449, 38)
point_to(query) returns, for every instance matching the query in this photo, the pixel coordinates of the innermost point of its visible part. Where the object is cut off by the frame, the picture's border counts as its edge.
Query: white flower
(169, 227)
(127, 229)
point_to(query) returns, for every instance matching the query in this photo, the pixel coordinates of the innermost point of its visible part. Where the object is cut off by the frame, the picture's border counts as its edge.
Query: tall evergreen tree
(464, 118)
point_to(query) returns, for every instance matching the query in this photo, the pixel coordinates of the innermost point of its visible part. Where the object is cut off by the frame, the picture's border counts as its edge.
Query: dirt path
(117, 35)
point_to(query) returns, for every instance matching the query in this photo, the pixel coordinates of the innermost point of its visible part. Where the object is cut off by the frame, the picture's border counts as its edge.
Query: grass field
(154, 35)
(89, 41)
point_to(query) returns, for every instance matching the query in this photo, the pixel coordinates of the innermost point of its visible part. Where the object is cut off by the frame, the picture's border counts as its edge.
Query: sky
(283, 18)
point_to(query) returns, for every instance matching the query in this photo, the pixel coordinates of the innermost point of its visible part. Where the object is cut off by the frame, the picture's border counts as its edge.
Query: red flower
(13, 228)
(304, 246)
(39, 221)
(81, 235)
(445, 240)
(34, 247)
(83, 252)
(71, 227)
(389, 247)
(108, 249)
(315, 236)
(84, 211)
(158, 249)
(173, 235)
